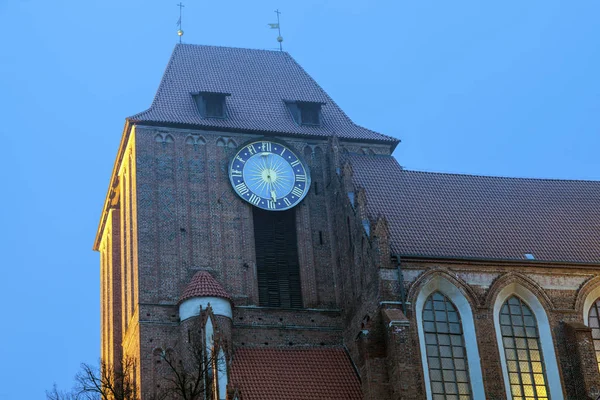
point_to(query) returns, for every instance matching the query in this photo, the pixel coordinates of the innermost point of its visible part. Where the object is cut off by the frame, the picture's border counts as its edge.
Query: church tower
(255, 243)
(224, 187)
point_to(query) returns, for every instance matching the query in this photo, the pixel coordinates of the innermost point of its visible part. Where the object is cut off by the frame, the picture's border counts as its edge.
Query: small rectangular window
(211, 105)
(214, 105)
(310, 113)
(305, 112)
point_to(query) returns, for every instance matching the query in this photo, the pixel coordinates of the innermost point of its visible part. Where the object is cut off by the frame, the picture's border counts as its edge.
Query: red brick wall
(189, 218)
(179, 214)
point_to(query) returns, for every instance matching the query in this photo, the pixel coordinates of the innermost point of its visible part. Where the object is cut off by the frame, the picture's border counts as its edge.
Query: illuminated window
(522, 349)
(446, 353)
(594, 323)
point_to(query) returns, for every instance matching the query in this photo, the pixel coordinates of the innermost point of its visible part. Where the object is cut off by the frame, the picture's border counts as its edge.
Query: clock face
(269, 175)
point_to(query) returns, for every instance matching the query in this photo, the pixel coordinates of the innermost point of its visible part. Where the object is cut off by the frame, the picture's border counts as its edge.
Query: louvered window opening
(214, 106)
(446, 353)
(211, 105)
(594, 323)
(277, 259)
(309, 114)
(524, 361)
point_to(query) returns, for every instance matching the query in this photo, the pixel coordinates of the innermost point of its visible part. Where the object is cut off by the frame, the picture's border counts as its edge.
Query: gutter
(392, 141)
(402, 293)
(477, 260)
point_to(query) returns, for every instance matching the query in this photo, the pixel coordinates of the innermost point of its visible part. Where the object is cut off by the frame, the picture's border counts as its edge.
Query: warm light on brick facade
(366, 266)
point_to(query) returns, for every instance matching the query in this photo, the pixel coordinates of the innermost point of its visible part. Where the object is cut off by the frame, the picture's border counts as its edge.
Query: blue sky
(495, 88)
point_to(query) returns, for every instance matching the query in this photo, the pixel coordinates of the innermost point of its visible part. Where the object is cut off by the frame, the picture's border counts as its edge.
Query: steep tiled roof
(290, 374)
(203, 285)
(466, 216)
(258, 81)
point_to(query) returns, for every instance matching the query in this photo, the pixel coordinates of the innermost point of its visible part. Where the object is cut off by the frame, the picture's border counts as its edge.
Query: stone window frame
(445, 338)
(590, 299)
(520, 330)
(547, 343)
(448, 289)
(218, 371)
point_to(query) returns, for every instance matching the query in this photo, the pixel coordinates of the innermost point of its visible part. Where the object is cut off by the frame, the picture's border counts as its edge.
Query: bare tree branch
(190, 375)
(101, 383)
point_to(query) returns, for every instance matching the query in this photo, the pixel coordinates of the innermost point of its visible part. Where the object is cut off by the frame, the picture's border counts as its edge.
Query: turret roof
(204, 285)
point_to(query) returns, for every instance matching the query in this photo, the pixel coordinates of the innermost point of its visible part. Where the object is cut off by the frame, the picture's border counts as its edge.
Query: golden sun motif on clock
(269, 175)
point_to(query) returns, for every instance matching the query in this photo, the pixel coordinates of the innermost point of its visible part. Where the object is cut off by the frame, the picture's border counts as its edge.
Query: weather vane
(180, 31)
(276, 26)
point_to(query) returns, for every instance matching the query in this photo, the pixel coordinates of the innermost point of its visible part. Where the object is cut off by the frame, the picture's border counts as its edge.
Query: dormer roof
(203, 285)
(259, 82)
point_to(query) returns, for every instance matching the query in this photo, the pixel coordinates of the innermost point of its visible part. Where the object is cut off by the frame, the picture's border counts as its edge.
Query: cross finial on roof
(278, 27)
(180, 31)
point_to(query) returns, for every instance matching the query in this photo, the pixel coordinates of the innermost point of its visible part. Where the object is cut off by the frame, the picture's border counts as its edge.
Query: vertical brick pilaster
(583, 374)
(404, 367)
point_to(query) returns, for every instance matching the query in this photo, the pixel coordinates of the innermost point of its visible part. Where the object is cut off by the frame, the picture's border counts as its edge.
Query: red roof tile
(294, 374)
(484, 217)
(259, 81)
(204, 285)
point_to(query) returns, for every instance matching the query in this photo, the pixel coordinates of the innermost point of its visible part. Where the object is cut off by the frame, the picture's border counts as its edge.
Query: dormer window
(210, 104)
(310, 113)
(305, 112)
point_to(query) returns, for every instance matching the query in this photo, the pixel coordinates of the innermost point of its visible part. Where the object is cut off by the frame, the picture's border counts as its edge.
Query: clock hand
(273, 194)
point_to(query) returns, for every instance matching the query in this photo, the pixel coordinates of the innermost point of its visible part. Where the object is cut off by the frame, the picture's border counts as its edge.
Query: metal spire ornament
(180, 31)
(277, 26)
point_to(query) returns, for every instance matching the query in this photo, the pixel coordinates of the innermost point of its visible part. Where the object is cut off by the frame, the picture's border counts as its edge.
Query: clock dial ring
(269, 175)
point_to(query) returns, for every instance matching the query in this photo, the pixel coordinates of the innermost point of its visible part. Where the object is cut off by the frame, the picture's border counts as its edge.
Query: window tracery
(594, 323)
(446, 352)
(523, 351)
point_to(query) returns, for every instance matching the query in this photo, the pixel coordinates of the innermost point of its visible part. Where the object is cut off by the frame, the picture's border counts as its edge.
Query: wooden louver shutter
(277, 259)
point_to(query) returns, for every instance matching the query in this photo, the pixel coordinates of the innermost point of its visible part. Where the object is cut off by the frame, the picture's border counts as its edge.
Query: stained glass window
(524, 361)
(446, 353)
(594, 323)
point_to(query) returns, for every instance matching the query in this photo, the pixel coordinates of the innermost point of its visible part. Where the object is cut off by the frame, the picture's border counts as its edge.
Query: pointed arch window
(594, 323)
(445, 348)
(221, 373)
(523, 351)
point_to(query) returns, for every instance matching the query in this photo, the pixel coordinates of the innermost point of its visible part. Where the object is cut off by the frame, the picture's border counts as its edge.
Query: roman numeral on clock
(297, 192)
(300, 178)
(294, 163)
(266, 146)
(271, 205)
(287, 202)
(251, 149)
(241, 188)
(254, 199)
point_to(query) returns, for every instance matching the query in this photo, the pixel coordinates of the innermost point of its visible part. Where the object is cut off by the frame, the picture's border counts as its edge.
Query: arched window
(526, 347)
(208, 332)
(446, 352)
(221, 372)
(522, 349)
(594, 323)
(448, 343)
